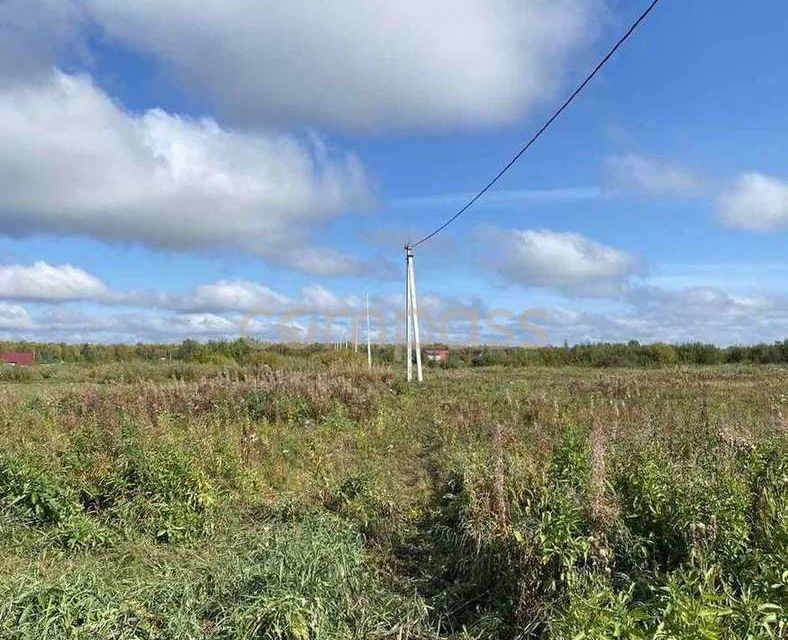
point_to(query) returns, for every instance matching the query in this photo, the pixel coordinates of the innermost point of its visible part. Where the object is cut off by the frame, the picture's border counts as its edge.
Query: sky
(253, 168)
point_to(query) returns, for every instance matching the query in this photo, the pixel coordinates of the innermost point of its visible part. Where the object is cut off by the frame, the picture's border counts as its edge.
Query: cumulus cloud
(653, 314)
(694, 302)
(752, 202)
(755, 202)
(635, 172)
(360, 64)
(649, 314)
(227, 295)
(230, 309)
(74, 162)
(44, 282)
(706, 314)
(243, 296)
(560, 260)
(75, 325)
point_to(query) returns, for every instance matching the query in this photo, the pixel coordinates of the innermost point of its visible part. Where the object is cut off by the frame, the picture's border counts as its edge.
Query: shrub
(42, 499)
(33, 493)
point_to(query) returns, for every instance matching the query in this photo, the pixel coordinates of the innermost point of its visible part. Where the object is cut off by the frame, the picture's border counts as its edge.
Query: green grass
(193, 501)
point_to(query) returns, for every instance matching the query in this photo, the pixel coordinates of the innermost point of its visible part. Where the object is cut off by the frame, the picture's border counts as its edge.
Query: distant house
(14, 358)
(437, 354)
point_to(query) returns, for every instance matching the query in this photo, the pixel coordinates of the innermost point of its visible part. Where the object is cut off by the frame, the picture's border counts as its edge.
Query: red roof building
(25, 358)
(438, 354)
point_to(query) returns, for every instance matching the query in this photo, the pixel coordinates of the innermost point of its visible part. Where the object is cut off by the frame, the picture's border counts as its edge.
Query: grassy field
(195, 501)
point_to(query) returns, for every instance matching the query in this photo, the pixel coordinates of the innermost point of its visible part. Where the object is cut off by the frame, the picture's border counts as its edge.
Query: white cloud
(191, 324)
(245, 297)
(361, 63)
(225, 309)
(755, 202)
(706, 314)
(42, 282)
(653, 314)
(229, 295)
(74, 162)
(324, 261)
(14, 317)
(632, 171)
(74, 325)
(318, 299)
(694, 302)
(242, 297)
(45, 282)
(561, 260)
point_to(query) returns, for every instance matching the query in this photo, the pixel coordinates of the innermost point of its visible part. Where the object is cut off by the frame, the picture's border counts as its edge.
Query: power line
(545, 126)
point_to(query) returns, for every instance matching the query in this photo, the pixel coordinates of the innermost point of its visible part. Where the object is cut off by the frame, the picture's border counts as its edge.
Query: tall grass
(258, 503)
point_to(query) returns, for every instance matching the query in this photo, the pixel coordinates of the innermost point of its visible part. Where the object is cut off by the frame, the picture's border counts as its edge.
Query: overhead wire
(545, 126)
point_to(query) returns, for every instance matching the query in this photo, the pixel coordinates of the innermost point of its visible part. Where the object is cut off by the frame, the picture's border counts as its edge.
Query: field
(171, 500)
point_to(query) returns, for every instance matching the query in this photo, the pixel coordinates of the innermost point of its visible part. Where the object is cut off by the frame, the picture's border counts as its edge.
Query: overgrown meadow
(167, 501)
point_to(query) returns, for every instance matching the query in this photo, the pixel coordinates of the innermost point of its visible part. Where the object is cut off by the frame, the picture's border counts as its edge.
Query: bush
(43, 500)
(32, 493)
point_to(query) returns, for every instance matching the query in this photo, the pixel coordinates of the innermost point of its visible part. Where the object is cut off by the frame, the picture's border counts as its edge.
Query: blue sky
(256, 167)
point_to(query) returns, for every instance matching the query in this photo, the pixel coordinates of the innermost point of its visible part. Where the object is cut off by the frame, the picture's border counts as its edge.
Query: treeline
(631, 354)
(241, 351)
(216, 352)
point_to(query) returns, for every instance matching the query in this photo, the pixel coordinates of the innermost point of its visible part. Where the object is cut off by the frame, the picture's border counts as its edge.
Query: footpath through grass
(330, 504)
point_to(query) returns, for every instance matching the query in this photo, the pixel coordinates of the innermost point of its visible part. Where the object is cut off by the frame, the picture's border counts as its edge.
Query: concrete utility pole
(412, 317)
(369, 343)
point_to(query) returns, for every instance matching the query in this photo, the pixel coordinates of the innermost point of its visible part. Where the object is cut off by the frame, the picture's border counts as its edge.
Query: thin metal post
(415, 311)
(369, 344)
(408, 315)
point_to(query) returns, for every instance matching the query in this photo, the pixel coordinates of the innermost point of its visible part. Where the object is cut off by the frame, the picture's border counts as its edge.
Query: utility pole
(408, 316)
(412, 317)
(369, 343)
